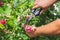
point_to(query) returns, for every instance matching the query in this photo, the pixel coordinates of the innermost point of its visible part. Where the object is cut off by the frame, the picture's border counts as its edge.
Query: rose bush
(13, 15)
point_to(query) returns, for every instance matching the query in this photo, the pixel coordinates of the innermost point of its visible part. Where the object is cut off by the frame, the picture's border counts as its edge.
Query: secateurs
(33, 13)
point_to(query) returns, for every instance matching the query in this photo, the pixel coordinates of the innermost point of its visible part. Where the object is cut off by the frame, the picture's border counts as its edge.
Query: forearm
(52, 28)
(52, 2)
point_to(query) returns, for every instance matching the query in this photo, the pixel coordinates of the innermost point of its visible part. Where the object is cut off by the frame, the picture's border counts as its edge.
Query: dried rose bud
(22, 24)
(8, 32)
(1, 3)
(8, 15)
(18, 19)
(4, 31)
(28, 17)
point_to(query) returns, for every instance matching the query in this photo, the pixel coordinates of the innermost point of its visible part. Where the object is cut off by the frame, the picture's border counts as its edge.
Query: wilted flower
(22, 24)
(27, 17)
(8, 15)
(8, 32)
(1, 3)
(4, 31)
(18, 19)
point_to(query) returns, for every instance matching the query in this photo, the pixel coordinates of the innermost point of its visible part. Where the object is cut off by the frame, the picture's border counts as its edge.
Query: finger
(30, 34)
(36, 6)
(43, 10)
(36, 2)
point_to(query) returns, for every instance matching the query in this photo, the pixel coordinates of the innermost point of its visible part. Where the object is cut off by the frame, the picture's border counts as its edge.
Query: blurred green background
(15, 12)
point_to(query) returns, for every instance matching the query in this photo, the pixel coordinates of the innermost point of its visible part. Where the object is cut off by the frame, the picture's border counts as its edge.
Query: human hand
(31, 31)
(44, 4)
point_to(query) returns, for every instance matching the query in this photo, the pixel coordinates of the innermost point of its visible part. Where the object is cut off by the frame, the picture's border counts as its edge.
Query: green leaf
(2, 26)
(7, 10)
(1, 10)
(11, 23)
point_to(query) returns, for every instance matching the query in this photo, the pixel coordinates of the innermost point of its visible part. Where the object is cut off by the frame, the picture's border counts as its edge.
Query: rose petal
(28, 29)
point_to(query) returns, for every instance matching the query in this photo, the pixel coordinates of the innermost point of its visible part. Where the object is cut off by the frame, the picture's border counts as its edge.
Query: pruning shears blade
(33, 13)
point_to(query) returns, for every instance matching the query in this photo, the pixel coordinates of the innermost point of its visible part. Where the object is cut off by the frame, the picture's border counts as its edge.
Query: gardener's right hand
(44, 4)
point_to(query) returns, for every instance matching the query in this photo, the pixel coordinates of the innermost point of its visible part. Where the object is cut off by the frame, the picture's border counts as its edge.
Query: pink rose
(22, 24)
(28, 29)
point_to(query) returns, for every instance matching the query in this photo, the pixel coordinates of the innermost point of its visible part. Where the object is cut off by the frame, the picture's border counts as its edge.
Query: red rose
(3, 22)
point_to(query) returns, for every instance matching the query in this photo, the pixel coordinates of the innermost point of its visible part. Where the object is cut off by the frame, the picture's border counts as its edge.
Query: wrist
(38, 31)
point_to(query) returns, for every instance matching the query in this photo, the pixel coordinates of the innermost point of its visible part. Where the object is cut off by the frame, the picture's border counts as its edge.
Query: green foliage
(12, 9)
